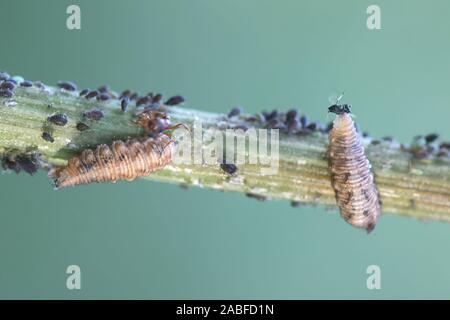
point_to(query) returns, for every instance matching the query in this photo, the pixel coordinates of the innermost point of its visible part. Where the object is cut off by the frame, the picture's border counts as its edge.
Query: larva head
(153, 122)
(340, 109)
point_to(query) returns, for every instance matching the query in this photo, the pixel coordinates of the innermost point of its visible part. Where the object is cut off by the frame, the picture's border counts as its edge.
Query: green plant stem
(419, 188)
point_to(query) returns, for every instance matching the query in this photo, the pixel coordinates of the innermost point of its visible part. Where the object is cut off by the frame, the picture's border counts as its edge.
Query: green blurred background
(152, 240)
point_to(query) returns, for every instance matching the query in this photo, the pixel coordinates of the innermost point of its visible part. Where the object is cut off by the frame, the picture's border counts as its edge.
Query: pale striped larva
(351, 176)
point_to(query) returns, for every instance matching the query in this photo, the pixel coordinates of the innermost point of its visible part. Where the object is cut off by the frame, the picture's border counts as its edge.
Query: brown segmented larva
(123, 160)
(351, 176)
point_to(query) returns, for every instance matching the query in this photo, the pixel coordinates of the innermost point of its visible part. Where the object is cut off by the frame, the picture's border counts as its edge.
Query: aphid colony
(351, 176)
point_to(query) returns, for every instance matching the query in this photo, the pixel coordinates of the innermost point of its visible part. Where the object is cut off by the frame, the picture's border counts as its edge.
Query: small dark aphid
(103, 89)
(445, 145)
(431, 137)
(27, 162)
(304, 121)
(142, 101)
(236, 111)
(84, 92)
(134, 96)
(67, 85)
(9, 164)
(81, 126)
(387, 138)
(157, 98)
(291, 115)
(228, 168)
(91, 94)
(103, 97)
(365, 134)
(175, 100)
(340, 109)
(4, 76)
(94, 114)
(26, 83)
(5, 93)
(375, 142)
(47, 137)
(312, 126)
(270, 115)
(8, 85)
(295, 204)
(125, 93)
(124, 103)
(256, 196)
(59, 119)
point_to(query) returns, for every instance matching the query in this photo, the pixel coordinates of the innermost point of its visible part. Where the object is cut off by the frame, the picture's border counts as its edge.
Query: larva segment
(351, 175)
(120, 161)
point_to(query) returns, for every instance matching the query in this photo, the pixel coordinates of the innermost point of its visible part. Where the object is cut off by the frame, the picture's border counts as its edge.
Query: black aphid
(142, 101)
(103, 89)
(295, 204)
(7, 85)
(84, 92)
(432, 137)
(157, 98)
(125, 93)
(26, 83)
(81, 126)
(236, 111)
(134, 96)
(291, 115)
(304, 121)
(175, 100)
(47, 137)
(103, 97)
(67, 85)
(270, 115)
(5, 93)
(256, 196)
(91, 94)
(228, 168)
(375, 142)
(124, 103)
(60, 119)
(94, 114)
(312, 126)
(27, 162)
